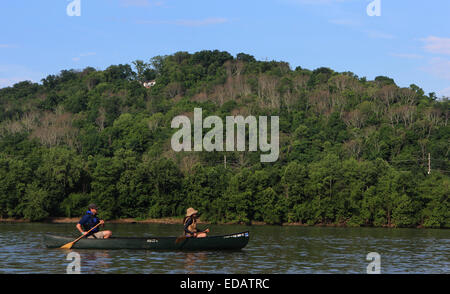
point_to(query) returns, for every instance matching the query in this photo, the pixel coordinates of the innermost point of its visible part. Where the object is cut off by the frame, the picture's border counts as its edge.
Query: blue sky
(409, 42)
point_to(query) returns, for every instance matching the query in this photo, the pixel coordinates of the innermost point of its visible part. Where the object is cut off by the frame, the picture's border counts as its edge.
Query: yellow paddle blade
(67, 246)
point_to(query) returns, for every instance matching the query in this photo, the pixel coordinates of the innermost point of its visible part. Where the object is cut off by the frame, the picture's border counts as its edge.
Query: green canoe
(226, 242)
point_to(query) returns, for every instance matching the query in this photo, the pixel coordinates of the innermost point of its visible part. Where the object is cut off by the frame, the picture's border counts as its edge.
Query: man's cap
(92, 206)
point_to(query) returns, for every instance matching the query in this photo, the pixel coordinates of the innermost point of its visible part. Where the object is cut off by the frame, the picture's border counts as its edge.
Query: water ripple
(271, 250)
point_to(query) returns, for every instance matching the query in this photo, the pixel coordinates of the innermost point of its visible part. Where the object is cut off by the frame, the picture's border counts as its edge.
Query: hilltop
(352, 151)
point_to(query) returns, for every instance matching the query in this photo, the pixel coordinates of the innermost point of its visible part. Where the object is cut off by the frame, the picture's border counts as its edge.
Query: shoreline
(178, 220)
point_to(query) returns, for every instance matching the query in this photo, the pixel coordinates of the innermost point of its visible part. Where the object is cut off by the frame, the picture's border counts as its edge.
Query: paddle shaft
(87, 232)
(77, 239)
(182, 238)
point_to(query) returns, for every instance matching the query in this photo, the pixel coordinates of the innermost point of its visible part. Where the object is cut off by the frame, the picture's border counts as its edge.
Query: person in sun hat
(190, 224)
(90, 220)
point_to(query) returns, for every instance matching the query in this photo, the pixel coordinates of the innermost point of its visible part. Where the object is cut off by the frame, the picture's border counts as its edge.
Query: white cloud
(444, 93)
(438, 67)
(12, 74)
(8, 46)
(317, 2)
(7, 82)
(406, 55)
(379, 35)
(78, 58)
(358, 25)
(345, 22)
(203, 22)
(135, 3)
(140, 3)
(186, 22)
(87, 54)
(437, 45)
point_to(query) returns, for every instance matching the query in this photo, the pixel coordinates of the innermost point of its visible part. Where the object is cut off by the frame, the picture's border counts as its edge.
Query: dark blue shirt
(88, 221)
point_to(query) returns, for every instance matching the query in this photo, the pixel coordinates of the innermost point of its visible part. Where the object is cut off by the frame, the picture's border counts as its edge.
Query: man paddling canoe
(190, 224)
(90, 220)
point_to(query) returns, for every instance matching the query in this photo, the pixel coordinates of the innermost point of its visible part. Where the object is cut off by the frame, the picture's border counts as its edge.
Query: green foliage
(35, 204)
(352, 151)
(75, 204)
(384, 80)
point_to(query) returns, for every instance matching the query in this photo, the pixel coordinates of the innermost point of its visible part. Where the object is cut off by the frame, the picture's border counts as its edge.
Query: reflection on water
(271, 250)
(191, 259)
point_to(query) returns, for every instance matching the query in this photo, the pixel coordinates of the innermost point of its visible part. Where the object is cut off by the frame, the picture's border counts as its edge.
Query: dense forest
(353, 151)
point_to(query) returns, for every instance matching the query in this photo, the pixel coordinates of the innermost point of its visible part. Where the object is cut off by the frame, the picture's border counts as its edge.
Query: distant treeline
(352, 151)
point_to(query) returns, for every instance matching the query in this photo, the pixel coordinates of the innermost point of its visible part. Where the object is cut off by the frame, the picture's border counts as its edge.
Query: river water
(271, 250)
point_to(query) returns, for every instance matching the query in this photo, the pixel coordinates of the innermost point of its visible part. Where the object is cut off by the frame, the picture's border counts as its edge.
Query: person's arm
(80, 225)
(80, 228)
(205, 231)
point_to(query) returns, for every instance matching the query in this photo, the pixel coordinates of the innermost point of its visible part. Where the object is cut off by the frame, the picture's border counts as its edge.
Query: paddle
(181, 238)
(70, 244)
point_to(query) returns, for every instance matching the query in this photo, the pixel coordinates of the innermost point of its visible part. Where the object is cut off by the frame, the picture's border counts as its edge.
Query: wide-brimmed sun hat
(190, 211)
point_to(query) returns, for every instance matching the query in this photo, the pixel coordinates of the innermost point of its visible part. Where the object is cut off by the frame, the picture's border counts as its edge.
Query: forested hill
(352, 151)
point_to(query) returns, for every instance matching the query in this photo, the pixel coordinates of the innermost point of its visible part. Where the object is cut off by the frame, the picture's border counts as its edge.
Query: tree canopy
(352, 151)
